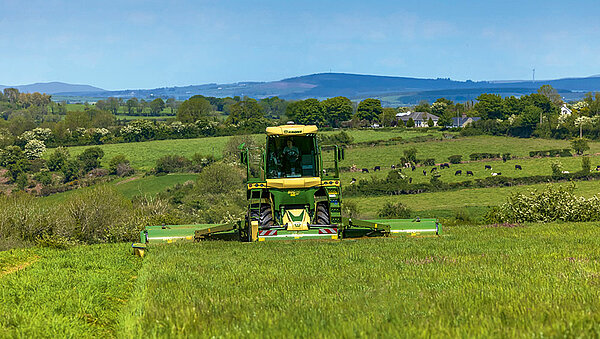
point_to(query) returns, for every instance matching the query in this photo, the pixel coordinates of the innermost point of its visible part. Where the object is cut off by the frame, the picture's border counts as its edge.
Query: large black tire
(323, 215)
(266, 216)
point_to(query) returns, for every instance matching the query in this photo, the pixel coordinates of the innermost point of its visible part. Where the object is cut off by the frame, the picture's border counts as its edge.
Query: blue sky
(147, 44)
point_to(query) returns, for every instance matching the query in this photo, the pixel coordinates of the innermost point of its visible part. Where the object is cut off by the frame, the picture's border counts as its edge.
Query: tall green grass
(539, 280)
(66, 293)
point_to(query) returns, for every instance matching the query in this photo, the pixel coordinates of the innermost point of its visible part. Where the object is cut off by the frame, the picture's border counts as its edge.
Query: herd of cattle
(434, 170)
(442, 166)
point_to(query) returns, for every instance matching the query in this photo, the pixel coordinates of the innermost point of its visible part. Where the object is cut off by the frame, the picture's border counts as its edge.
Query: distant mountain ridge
(391, 90)
(54, 88)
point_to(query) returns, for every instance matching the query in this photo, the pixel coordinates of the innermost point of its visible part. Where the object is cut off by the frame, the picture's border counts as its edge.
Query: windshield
(291, 157)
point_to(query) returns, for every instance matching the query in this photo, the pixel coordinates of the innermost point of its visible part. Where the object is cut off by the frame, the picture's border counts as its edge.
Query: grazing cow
(470, 173)
(365, 170)
(459, 172)
(393, 166)
(433, 169)
(353, 181)
(496, 174)
(410, 180)
(445, 165)
(488, 167)
(424, 172)
(518, 167)
(376, 168)
(565, 172)
(413, 168)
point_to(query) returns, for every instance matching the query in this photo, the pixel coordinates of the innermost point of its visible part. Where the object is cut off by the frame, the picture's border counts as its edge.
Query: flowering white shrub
(554, 203)
(34, 149)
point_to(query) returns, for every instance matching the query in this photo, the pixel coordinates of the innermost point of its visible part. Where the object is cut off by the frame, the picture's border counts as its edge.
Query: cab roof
(292, 130)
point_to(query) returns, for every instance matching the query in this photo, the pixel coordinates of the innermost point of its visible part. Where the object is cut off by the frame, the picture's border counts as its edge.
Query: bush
(172, 164)
(90, 158)
(410, 154)
(44, 178)
(506, 156)
(350, 209)
(57, 159)
(34, 149)
(200, 161)
(586, 165)
(220, 178)
(479, 156)
(580, 145)
(124, 170)
(429, 162)
(117, 160)
(71, 170)
(98, 215)
(556, 167)
(455, 159)
(394, 210)
(341, 138)
(554, 203)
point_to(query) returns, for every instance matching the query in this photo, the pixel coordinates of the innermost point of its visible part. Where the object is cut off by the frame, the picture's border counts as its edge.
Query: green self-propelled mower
(294, 191)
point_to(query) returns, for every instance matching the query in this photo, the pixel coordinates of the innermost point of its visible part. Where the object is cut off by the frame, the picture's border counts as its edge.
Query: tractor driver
(291, 156)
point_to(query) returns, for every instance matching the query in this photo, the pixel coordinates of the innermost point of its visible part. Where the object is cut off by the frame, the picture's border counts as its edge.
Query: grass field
(539, 280)
(134, 186)
(475, 200)
(143, 155)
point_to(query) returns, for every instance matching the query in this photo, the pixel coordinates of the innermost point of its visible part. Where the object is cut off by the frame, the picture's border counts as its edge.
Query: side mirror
(340, 154)
(244, 157)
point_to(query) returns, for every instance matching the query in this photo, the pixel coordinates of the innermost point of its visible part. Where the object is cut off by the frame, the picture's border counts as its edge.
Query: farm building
(463, 121)
(420, 118)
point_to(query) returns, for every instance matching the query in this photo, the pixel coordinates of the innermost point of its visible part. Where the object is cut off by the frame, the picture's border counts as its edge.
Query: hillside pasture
(475, 201)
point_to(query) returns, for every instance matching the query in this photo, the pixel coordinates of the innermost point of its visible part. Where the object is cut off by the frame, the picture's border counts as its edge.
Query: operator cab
(291, 152)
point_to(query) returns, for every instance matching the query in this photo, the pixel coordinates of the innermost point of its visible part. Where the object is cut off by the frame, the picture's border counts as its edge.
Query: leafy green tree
(439, 108)
(410, 154)
(369, 109)
(489, 106)
(410, 123)
(103, 119)
(71, 170)
(11, 94)
(13, 159)
(388, 117)
(76, 119)
(552, 95)
(90, 158)
(245, 112)
(131, 104)
(117, 160)
(444, 121)
(113, 104)
(430, 122)
(273, 107)
(194, 109)
(580, 145)
(337, 109)
(309, 112)
(156, 106)
(172, 104)
(58, 159)
(423, 106)
(586, 165)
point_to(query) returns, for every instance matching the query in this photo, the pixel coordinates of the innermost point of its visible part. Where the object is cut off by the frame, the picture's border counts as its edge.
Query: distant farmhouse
(420, 118)
(463, 121)
(564, 110)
